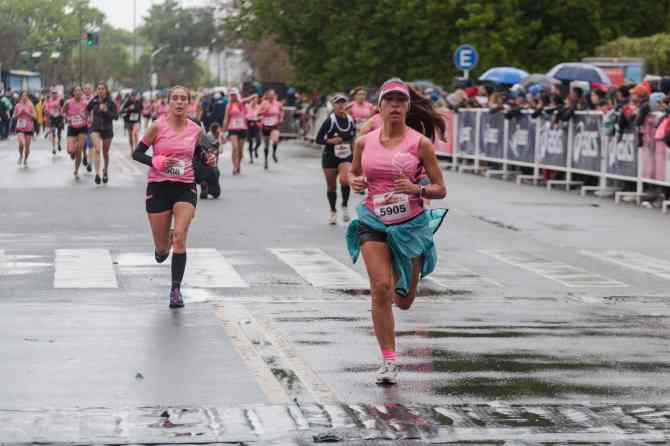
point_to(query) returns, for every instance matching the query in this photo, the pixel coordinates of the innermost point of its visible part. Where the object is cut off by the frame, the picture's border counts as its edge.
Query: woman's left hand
(211, 160)
(405, 186)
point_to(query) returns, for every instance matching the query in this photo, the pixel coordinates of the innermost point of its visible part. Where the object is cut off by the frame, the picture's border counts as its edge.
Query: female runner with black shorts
(337, 135)
(171, 191)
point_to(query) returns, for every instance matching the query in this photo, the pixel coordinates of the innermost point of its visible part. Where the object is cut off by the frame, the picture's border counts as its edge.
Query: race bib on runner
(343, 151)
(76, 121)
(269, 122)
(22, 123)
(391, 207)
(237, 123)
(134, 117)
(177, 170)
(55, 112)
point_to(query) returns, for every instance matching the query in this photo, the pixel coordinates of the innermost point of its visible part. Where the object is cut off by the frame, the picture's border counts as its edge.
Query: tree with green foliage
(339, 43)
(183, 32)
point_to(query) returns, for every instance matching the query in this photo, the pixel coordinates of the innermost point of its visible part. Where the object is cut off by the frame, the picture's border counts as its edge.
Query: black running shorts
(268, 130)
(104, 133)
(163, 195)
(238, 132)
(330, 161)
(367, 234)
(73, 132)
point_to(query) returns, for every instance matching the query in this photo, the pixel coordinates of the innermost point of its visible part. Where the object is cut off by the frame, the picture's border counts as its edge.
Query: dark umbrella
(579, 72)
(542, 80)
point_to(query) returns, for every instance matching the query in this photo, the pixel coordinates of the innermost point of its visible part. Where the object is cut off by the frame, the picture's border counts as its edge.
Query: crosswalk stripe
(567, 275)
(208, 268)
(633, 260)
(321, 270)
(458, 276)
(84, 268)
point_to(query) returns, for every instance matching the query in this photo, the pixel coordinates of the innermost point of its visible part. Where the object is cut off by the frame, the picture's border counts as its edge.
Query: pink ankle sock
(389, 355)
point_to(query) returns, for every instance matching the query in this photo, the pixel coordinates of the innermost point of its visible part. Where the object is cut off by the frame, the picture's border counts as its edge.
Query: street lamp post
(151, 65)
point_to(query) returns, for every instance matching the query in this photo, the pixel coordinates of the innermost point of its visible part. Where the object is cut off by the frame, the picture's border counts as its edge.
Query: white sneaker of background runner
(387, 373)
(345, 214)
(333, 218)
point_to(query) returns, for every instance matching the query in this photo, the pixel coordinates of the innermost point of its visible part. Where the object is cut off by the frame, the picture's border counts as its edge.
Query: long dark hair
(421, 116)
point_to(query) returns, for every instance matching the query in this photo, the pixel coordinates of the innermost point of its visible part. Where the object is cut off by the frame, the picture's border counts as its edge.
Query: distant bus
(18, 80)
(620, 69)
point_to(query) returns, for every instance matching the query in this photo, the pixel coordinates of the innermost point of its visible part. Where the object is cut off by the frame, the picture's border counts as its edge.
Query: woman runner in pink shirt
(24, 113)
(253, 127)
(235, 123)
(360, 109)
(54, 115)
(392, 224)
(271, 113)
(77, 128)
(171, 191)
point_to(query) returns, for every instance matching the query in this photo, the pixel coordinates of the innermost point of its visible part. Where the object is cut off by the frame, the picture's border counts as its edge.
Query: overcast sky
(120, 12)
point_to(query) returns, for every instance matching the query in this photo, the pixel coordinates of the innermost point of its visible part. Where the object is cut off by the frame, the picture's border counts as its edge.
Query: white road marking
(460, 277)
(633, 260)
(233, 315)
(567, 275)
(321, 270)
(207, 268)
(16, 265)
(84, 268)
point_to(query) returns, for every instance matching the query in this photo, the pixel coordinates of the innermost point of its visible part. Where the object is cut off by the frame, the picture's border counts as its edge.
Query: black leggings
(254, 138)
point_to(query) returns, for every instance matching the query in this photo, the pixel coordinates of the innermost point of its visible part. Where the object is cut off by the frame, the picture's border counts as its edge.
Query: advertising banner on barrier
(521, 139)
(491, 134)
(467, 125)
(621, 154)
(586, 141)
(552, 147)
(444, 144)
(654, 154)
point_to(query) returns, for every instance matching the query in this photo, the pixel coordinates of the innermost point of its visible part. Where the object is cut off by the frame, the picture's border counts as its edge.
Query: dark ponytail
(422, 116)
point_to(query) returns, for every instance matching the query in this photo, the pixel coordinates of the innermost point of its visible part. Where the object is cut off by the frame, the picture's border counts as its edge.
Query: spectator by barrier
(290, 126)
(579, 146)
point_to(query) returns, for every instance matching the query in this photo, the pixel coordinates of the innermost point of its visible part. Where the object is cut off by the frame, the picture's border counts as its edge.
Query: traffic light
(92, 39)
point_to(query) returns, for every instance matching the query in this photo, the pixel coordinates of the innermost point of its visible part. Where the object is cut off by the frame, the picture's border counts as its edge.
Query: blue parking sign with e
(466, 57)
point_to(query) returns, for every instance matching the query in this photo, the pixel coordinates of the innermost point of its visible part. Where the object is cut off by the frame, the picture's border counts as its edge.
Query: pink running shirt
(361, 112)
(381, 166)
(76, 115)
(251, 112)
(52, 107)
(169, 143)
(271, 113)
(237, 113)
(24, 120)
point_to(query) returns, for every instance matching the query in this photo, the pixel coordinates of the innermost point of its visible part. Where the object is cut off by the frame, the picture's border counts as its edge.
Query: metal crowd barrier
(578, 147)
(290, 126)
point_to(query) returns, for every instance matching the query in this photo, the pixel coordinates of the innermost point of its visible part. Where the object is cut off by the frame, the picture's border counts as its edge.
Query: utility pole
(81, 37)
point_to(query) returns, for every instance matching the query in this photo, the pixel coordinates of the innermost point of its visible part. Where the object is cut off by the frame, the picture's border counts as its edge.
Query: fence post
(477, 139)
(455, 143)
(505, 144)
(568, 161)
(538, 132)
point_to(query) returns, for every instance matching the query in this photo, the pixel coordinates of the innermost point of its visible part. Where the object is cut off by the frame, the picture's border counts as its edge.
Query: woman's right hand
(359, 184)
(169, 162)
(336, 140)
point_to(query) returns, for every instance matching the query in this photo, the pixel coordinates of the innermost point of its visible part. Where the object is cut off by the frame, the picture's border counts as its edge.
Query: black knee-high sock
(266, 151)
(345, 195)
(332, 200)
(258, 144)
(178, 268)
(274, 149)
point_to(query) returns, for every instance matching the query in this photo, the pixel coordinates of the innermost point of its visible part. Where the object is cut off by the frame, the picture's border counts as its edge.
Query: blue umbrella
(504, 75)
(579, 72)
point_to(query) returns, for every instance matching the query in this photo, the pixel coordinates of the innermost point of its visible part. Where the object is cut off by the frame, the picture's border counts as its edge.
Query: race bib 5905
(391, 207)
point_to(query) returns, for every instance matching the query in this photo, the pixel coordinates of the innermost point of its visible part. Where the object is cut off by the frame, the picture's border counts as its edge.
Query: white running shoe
(333, 218)
(387, 373)
(25, 164)
(345, 214)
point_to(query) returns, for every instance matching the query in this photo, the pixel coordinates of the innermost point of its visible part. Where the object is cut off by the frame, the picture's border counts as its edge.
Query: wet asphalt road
(546, 322)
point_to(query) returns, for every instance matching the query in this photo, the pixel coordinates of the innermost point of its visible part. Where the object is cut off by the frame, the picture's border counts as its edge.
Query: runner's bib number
(76, 121)
(391, 207)
(134, 117)
(343, 151)
(22, 123)
(269, 122)
(177, 170)
(55, 112)
(237, 124)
